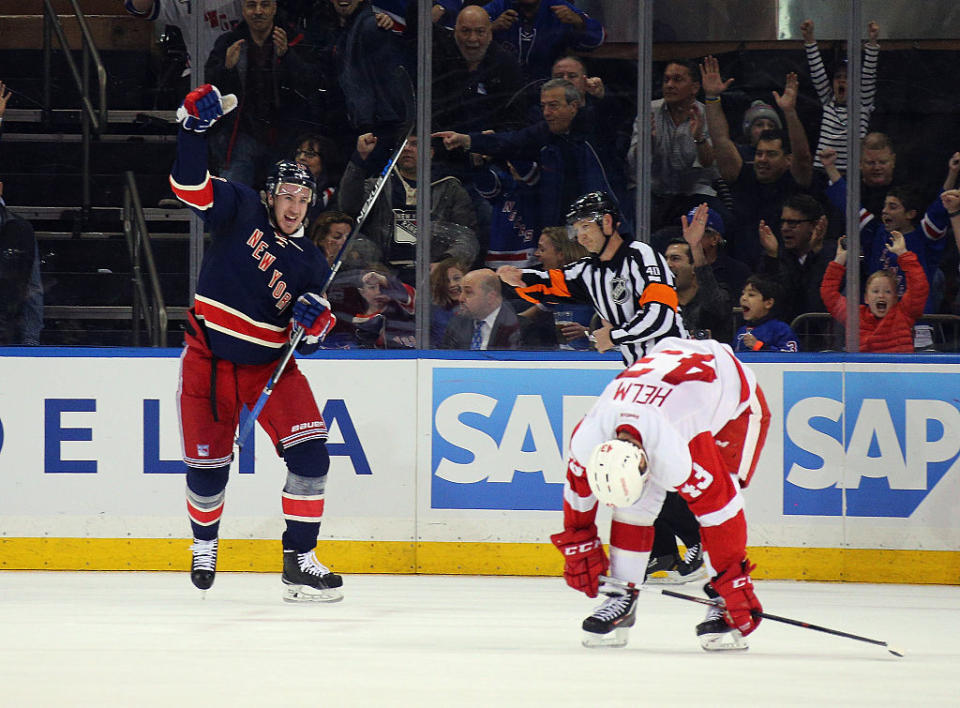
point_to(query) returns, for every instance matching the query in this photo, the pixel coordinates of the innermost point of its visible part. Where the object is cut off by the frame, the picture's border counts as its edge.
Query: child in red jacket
(886, 321)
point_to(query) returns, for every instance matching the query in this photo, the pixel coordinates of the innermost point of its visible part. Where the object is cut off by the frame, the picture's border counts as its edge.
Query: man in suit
(485, 321)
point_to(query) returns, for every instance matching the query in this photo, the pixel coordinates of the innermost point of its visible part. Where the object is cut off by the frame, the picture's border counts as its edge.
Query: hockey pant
(211, 395)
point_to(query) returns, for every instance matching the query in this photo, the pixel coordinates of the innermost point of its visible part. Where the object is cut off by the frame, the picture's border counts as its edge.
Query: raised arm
(868, 73)
(801, 164)
(818, 73)
(951, 203)
(725, 152)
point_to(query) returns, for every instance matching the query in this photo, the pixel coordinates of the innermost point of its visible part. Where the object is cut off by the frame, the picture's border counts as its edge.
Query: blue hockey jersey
(773, 335)
(251, 273)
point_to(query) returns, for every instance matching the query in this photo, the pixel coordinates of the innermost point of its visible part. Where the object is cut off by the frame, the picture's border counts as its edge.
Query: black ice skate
(661, 568)
(204, 565)
(673, 570)
(692, 567)
(714, 633)
(308, 580)
(609, 624)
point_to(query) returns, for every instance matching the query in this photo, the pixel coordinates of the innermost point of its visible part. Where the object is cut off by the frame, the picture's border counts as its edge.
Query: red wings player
(688, 417)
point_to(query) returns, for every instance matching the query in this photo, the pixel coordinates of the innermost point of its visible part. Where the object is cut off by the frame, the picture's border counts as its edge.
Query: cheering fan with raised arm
(261, 280)
(687, 417)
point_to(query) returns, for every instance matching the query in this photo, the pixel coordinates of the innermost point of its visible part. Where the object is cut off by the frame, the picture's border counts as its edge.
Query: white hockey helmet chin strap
(616, 472)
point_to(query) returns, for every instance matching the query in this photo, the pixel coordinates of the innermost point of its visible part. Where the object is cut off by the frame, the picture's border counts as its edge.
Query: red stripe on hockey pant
(631, 538)
(204, 517)
(305, 508)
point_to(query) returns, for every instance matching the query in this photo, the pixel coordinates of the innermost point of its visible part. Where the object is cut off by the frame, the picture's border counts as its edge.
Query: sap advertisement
(499, 440)
(866, 444)
(858, 454)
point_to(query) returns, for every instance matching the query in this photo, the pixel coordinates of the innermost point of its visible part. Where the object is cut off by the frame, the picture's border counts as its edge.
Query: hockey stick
(764, 615)
(298, 332)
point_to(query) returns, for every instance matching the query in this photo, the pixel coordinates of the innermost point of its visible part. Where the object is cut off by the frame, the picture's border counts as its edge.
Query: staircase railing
(148, 304)
(94, 120)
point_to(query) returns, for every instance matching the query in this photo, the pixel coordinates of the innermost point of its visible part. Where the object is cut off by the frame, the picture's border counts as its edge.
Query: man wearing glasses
(799, 258)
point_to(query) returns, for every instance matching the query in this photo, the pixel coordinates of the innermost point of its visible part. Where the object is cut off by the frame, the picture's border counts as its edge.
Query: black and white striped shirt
(833, 121)
(633, 291)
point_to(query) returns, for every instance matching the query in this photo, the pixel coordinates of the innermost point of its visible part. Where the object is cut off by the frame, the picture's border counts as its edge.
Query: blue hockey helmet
(289, 172)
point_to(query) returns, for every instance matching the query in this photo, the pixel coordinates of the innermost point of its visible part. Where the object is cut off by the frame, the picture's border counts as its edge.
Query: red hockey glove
(312, 312)
(736, 588)
(584, 558)
(203, 107)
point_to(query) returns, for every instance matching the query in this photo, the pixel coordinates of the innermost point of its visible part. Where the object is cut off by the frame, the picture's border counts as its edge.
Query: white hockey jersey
(675, 400)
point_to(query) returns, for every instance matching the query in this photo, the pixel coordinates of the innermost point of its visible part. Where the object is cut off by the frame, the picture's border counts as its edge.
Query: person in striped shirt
(833, 94)
(627, 282)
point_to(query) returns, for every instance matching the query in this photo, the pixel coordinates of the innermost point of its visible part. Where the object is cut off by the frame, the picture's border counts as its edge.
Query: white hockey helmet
(616, 472)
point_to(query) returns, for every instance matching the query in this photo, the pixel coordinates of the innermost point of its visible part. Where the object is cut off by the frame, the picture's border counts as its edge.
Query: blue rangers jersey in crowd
(772, 335)
(251, 273)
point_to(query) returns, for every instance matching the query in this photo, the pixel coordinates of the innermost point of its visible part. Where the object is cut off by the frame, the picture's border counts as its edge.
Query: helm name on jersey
(260, 253)
(642, 393)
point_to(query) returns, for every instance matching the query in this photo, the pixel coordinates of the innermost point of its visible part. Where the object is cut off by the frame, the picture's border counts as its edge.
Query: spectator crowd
(522, 128)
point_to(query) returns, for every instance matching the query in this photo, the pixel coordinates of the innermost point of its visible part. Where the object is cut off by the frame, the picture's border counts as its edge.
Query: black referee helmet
(593, 205)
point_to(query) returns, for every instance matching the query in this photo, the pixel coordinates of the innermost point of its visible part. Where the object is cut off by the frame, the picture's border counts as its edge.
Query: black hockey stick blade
(787, 620)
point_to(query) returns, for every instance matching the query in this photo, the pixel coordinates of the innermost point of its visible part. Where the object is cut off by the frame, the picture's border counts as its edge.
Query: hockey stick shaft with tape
(297, 334)
(764, 615)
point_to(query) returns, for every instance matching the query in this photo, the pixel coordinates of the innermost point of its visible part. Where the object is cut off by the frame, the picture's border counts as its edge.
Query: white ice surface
(151, 639)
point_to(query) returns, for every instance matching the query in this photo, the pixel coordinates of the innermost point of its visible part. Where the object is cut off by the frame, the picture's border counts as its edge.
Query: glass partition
(521, 108)
(749, 115)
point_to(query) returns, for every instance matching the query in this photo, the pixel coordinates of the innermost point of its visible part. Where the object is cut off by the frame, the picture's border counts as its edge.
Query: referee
(627, 282)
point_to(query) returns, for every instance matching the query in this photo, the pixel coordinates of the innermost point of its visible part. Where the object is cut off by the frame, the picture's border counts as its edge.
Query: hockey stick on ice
(764, 615)
(298, 332)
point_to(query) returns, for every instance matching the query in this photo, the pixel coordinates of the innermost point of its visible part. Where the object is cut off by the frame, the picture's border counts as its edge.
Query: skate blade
(664, 577)
(724, 641)
(672, 577)
(615, 639)
(305, 594)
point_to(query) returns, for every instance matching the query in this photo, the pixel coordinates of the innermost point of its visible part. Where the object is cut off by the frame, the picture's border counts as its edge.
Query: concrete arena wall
(448, 463)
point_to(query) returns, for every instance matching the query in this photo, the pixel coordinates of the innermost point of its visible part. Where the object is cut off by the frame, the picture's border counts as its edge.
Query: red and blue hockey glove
(203, 107)
(312, 312)
(584, 558)
(742, 607)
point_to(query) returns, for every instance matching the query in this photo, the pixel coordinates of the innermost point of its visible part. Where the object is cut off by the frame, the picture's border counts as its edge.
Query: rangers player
(258, 270)
(688, 417)
(627, 282)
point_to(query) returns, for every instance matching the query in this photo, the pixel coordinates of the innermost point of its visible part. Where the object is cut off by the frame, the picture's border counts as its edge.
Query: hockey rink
(151, 639)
